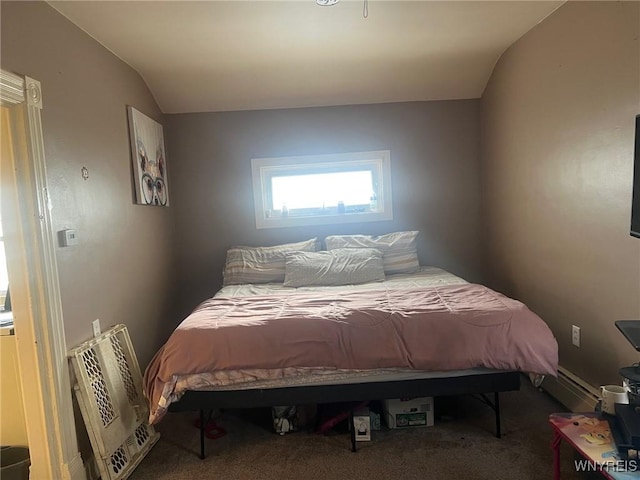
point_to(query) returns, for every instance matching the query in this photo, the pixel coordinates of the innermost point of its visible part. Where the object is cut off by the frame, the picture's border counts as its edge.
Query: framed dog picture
(148, 159)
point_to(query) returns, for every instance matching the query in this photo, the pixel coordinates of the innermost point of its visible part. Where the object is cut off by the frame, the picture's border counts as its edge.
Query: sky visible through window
(322, 190)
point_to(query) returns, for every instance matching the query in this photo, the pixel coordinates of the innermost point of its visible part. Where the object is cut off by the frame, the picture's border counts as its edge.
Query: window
(322, 189)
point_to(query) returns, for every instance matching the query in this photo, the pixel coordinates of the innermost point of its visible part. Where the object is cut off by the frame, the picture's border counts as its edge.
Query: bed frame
(472, 384)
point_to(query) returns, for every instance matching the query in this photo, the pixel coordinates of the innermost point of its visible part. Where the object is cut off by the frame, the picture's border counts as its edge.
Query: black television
(635, 203)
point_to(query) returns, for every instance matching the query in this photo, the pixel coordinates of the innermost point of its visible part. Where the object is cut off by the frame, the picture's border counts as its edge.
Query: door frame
(35, 291)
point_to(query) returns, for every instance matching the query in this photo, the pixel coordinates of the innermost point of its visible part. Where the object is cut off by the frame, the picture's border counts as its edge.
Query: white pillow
(260, 264)
(399, 249)
(343, 266)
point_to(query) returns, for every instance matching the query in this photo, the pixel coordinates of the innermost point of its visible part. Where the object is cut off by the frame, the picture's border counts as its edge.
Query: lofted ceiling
(240, 55)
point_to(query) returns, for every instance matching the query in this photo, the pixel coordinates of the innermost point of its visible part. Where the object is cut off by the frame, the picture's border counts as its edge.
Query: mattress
(400, 302)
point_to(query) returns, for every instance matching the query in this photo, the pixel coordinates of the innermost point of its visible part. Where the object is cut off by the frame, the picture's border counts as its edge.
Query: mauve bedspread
(436, 328)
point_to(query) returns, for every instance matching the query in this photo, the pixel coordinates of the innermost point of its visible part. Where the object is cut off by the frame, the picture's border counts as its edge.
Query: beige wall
(121, 270)
(13, 430)
(557, 139)
(434, 154)
(557, 161)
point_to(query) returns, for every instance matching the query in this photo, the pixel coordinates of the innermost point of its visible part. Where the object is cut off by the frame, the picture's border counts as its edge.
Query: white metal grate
(125, 373)
(119, 460)
(109, 392)
(98, 387)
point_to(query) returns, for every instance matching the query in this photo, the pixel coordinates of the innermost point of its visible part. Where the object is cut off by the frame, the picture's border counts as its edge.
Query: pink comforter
(437, 328)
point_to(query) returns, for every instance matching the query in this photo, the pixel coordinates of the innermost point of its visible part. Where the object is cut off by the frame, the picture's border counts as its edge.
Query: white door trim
(35, 292)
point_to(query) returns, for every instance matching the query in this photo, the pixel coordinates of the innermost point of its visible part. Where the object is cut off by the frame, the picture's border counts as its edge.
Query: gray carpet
(461, 445)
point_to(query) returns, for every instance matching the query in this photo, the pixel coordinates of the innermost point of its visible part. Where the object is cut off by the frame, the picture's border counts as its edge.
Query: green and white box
(409, 412)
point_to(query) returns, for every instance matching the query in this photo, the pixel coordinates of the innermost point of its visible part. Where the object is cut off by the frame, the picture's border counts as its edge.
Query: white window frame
(263, 169)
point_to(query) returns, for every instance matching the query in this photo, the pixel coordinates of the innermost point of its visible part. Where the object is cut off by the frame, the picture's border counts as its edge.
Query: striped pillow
(260, 264)
(399, 250)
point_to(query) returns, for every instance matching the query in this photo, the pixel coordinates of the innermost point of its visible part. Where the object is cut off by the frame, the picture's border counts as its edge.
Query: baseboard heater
(572, 391)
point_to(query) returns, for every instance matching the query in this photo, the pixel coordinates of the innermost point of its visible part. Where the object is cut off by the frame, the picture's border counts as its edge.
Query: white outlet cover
(96, 327)
(575, 335)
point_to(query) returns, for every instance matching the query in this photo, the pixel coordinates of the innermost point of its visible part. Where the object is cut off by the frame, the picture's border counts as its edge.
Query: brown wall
(121, 270)
(557, 162)
(434, 154)
(557, 139)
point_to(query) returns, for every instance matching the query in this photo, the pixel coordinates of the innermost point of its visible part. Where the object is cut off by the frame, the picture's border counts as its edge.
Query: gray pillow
(399, 249)
(342, 266)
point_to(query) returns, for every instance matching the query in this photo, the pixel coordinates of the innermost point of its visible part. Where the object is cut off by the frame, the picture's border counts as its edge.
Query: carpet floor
(461, 445)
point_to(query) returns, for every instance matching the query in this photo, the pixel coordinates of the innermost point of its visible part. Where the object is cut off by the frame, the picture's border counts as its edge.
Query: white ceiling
(238, 55)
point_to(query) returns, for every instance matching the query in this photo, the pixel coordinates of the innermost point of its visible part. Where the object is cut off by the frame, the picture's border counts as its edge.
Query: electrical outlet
(96, 327)
(575, 335)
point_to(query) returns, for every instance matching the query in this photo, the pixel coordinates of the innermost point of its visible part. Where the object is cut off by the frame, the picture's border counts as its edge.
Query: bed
(312, 337)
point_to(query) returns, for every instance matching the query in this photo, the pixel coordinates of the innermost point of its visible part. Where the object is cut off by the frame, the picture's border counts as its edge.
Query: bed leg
(495, 406)
(352, 429)
(203, 425)
(497, 410)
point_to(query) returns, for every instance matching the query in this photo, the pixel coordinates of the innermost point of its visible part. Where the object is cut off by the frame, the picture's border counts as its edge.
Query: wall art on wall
(149, 159)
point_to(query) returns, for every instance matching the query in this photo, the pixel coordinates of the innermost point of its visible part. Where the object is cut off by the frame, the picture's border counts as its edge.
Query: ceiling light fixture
(328, 3)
